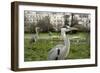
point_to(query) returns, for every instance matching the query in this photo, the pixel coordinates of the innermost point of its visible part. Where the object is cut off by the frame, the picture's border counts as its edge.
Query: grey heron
(60, 51)
(35, 37)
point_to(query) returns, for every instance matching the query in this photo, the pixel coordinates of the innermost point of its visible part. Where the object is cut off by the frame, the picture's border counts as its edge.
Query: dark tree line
(45, 24)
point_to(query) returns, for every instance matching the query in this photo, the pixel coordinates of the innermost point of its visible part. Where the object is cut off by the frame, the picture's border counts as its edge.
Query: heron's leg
(56, 58)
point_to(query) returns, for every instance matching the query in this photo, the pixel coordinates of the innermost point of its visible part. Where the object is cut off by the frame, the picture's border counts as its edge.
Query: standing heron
(35, 37)
(60, 51)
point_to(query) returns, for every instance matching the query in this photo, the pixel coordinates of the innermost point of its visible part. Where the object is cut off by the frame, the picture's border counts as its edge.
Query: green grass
(79, 51)
(38, 51)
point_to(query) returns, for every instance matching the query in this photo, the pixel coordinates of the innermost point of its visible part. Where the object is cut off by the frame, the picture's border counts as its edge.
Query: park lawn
(43, 34)
(38, 51)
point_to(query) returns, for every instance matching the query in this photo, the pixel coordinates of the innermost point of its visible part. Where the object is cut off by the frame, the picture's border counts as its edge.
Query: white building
(57, 20)
(83, 19)
(30, 17)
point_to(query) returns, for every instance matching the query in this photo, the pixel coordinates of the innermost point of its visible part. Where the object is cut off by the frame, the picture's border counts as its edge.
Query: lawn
(38, 51)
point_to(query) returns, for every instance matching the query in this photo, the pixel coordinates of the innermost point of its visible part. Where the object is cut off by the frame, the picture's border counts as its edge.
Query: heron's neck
(66, 43)
(65, 38)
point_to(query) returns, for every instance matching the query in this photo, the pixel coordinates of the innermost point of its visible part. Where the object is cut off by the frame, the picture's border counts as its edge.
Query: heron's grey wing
(59, 46)
(52, 54)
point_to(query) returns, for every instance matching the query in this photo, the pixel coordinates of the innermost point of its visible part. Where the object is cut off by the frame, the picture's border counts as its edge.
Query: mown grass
(38, 51)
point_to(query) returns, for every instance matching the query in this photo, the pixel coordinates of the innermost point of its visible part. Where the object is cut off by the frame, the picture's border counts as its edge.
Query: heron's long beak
(67, 30)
